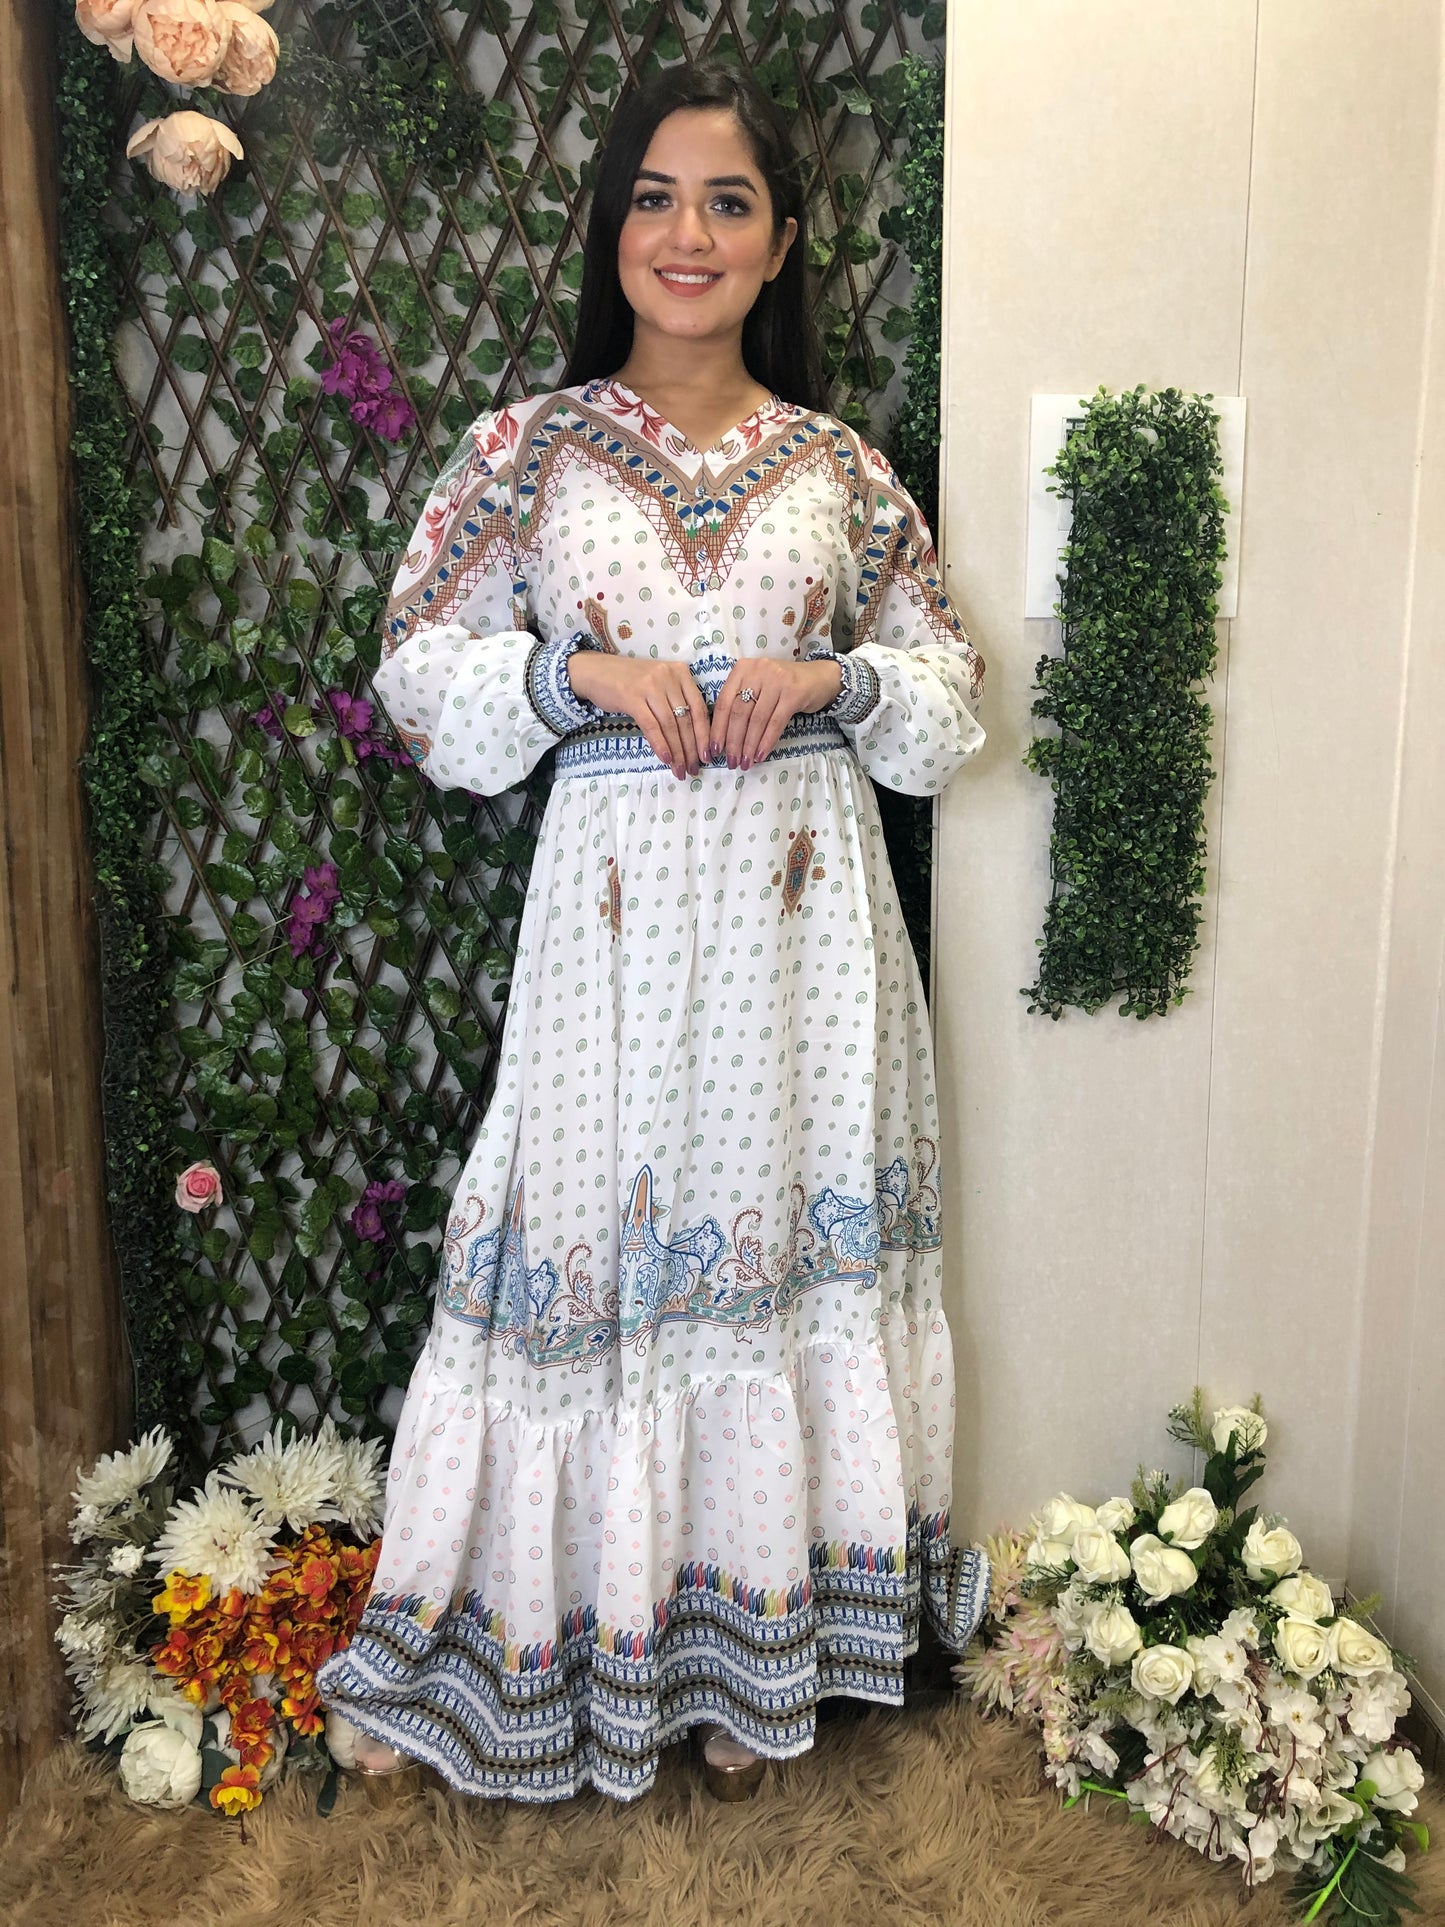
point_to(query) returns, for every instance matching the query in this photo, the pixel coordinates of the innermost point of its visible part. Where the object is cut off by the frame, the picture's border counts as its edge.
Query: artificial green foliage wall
(307, 951)
(1129, 755)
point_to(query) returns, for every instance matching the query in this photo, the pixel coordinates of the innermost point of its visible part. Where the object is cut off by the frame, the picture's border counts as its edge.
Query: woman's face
(700, 205)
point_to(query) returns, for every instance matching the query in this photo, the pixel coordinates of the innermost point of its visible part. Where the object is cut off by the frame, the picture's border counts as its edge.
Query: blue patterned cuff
(549, 688)
(860, 693)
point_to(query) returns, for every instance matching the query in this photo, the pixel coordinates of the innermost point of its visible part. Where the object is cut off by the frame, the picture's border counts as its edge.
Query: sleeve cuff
(860, 693)
(549, 688)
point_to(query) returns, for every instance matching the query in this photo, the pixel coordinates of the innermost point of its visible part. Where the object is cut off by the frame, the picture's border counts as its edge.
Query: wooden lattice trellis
(276, 521)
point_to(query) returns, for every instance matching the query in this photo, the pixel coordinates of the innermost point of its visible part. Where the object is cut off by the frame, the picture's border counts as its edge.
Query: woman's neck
(706, 383)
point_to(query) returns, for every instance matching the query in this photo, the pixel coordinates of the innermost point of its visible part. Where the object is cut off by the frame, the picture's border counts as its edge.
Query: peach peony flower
(106, 23)
(191, 153)
(251, 56)
(199, 1185)
(183, 41)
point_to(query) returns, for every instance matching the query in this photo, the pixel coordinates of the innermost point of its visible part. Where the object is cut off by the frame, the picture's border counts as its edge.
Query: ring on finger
(680, 709)
(747, 696)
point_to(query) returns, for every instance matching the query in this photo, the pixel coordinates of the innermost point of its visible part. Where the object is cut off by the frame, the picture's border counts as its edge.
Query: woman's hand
(749, 730)
(660, 697)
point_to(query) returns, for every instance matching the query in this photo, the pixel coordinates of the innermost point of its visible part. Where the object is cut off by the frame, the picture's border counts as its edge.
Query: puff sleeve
(912, 678)
(474, 695)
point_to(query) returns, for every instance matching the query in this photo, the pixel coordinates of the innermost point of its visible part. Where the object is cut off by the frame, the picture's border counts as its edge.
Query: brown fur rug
(930, 1817)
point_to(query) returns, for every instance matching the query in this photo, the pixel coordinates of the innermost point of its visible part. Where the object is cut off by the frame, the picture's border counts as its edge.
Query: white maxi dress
(678, 1445)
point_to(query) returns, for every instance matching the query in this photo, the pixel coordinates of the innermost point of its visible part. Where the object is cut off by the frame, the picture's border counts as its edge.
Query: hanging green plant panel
(1129, 757)
(307, 950)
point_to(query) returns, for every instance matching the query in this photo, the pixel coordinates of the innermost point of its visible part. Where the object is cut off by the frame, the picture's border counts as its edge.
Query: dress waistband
(615, 746)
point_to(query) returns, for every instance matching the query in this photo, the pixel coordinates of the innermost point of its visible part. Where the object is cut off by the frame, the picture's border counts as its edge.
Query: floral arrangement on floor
(1177, 1657)
(193, 1628)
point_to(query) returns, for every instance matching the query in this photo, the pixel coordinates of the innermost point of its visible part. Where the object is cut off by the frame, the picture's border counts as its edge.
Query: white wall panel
(1096, 223)
(1234, 198)
(1334, 307)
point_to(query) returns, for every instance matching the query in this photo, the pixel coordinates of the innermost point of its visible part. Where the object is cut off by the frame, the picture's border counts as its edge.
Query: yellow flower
(236, 1791)
(185, 1593)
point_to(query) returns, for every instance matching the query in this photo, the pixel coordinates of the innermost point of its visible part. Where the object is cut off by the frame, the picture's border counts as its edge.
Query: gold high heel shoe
(730, 1770)
(389, 1780)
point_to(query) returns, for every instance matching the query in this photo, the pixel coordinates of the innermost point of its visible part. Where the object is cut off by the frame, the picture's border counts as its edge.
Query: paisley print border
(697, 1275)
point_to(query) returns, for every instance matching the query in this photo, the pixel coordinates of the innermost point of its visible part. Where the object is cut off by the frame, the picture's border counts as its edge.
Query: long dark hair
(780, 337)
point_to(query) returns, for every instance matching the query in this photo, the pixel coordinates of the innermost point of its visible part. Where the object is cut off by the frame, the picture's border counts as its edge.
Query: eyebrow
(717, 180)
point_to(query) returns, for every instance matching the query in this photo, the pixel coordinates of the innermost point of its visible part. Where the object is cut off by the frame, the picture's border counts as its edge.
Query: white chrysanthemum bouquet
(193, 1628)
(1178, 1657)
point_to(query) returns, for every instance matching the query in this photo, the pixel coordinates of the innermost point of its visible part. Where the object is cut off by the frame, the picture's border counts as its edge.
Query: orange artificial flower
(184, 1593)
(236, 1694)
(258, 1655)
(251, 1731)
(305, 1713)
(237, 1790)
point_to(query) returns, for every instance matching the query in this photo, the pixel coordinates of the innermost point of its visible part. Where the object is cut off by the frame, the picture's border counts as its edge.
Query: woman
(677, 1450)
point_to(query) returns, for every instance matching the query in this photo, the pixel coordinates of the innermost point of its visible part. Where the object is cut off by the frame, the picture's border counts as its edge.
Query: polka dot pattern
(688, 1366)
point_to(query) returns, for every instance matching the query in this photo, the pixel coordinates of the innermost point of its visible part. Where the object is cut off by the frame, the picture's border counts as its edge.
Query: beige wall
(1237, 198)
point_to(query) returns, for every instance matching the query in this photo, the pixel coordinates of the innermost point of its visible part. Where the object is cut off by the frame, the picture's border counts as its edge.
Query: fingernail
(732, 762)
(747, 762)
(677, 771)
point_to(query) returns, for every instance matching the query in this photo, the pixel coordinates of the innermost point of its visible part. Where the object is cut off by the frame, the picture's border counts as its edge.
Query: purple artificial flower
(358, 370)
(364, 379)
(353, 713)
(366, 1219)
(390, 416)
(355, 719)
(268, 720)
(309, 912)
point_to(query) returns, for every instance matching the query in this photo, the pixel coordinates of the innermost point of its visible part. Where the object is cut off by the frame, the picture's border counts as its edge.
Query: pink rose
(251, 56)
(198, 1187)
(106, 23)
(189, 152)
(183, 41)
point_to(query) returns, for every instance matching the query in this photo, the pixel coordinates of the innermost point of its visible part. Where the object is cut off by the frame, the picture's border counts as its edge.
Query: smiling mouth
(689, 278)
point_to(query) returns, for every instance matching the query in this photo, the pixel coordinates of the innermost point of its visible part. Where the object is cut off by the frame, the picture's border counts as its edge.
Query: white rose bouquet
(1177, 1656)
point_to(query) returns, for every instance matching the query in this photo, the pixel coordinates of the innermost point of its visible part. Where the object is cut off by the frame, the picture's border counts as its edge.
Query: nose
(688, 228)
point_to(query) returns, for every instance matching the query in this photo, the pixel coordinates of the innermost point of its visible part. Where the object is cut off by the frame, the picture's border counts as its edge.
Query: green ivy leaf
(442, 999)
(219, 558)
(191, 352)
(231, 880)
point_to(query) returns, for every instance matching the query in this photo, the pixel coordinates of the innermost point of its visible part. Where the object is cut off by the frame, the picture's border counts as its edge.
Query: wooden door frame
(63, 1378)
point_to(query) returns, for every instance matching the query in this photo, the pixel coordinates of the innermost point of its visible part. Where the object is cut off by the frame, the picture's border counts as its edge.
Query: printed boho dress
(678, 1446)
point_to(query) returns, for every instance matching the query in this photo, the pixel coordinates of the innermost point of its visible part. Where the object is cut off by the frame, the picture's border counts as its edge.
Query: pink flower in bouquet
(188, 152)
(361, 375)
(184, 41)
(251, 55)
(322, 893)
(107, 23)
(198, 1187)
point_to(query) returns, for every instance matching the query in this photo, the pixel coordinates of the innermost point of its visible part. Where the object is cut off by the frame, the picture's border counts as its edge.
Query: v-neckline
(720, 446)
